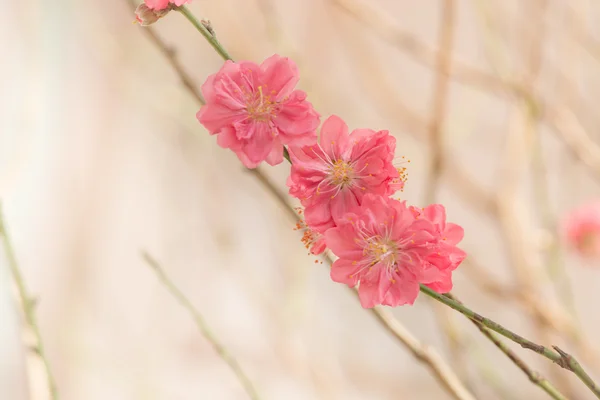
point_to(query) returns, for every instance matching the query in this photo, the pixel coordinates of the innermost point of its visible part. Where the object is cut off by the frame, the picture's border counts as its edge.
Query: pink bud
(146, 16)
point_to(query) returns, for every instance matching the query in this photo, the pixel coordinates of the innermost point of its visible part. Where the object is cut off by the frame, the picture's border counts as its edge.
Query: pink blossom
(255, 110)
(439, 265)
(162, 4)
(582, 229)
(388, 250)
(331, 178)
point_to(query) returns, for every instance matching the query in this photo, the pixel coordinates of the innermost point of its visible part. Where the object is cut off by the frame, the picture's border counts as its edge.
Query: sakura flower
(388, 250)
(582, 229)
(255, 110)
(330, 178)
(163, 4)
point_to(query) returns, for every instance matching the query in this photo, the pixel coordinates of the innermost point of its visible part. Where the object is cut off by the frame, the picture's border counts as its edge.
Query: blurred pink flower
(331, 178)
(255, 110)
(582, 229)
(388, 250)
(162, 4)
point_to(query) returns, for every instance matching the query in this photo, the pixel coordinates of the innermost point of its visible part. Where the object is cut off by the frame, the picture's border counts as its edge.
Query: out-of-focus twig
(574, 135)
(523, 147)
(203, 327)
(462, 72)
(440, 98)
(28, 305)
(423, 353)
(444, 316)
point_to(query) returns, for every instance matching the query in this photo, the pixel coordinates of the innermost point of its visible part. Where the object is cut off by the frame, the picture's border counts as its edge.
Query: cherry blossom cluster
(344, 180)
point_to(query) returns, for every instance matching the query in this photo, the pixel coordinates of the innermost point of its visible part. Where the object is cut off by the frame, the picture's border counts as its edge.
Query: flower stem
(533, 376)
(205, 32)
(558, 356)
(28, 304)
(286, 154)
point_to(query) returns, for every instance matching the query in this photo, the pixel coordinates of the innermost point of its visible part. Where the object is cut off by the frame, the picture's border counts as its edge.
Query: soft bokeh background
(101, 157)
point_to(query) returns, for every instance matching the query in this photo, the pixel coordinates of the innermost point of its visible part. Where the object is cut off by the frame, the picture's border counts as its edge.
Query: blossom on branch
(331, 177)
(388, 249)
(255, 111)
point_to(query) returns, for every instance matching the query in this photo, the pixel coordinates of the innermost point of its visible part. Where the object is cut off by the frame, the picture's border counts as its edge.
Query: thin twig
(440, 98)
(171, 58)
(208, 35)
(559, 357)
(533, 376)
(28, 304)
(424, 354)
(464, 73)
(528, 117)
(444, 316)
(203, 326)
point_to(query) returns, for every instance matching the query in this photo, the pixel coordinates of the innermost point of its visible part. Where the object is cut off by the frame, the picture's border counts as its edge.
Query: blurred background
(101, 157)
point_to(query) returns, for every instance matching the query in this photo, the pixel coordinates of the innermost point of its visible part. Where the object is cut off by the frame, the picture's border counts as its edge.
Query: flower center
(259, 106)
(341, 173)
(381, 250)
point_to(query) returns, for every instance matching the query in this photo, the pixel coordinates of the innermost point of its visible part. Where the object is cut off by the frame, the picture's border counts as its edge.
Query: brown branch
(171, 57)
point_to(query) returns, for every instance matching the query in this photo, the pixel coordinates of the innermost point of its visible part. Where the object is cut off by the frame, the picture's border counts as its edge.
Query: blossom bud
(146, 16)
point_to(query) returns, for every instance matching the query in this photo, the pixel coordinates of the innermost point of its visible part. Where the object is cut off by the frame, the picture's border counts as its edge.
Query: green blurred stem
(203, 326)
(205, 32)
(558, 356)
(28, 304)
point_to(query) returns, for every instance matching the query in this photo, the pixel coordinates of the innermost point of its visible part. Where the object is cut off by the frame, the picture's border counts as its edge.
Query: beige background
(101, 156)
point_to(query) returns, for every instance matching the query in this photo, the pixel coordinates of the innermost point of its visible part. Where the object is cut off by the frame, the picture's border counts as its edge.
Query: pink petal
(368, 293)
(453, 233)
(157, 4)
(275, 157)
(281, 75)
(228, 139)
(260, 144)
(344, 202)
(341, 241)
(334, 137)
(319, 246)
(404, 291)
(344, 271)
(297, 121)
(318, 216)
